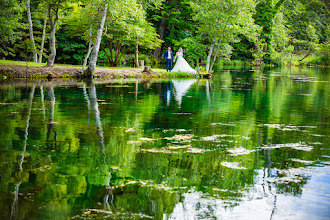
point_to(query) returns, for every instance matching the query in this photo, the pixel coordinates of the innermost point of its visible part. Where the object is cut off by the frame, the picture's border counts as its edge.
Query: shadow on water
(248, 139)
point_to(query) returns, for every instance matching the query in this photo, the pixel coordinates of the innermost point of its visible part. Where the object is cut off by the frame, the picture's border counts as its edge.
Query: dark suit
(168, 61)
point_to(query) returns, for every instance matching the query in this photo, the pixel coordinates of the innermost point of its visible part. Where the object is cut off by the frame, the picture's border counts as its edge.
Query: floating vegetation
(295, 175)
(284, 127)
(196, 150)
(178, 147)
(162, 150)
(130, 130)
(146, 139)
(224, 124)
(133, 142)
(210, 138)
(172, 130)
(178, 137)
(118, 86)
(239, 151)
(301, 161)
(297, 146)
(216, 136)
(233, 165)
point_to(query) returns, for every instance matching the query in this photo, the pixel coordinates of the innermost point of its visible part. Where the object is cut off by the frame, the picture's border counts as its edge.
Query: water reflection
(181, 87)
(245, 141)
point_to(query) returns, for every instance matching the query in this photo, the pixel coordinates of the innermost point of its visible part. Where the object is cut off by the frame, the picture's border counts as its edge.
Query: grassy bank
(22, 69)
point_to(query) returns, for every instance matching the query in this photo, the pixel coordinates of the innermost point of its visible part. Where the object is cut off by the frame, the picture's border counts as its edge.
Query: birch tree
(92, 64)
(54, 7)
(28, 11)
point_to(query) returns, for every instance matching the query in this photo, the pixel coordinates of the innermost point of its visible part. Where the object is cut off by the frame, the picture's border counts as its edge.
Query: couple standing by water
(181, 64)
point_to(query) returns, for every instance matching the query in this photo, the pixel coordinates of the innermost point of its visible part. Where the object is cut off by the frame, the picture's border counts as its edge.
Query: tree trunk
(35, 56)
(43, 40)
(215, 55)
(90, 47)
(158, 50)
(93, 60)
(136, 59)
(52, 29)
(208, 60)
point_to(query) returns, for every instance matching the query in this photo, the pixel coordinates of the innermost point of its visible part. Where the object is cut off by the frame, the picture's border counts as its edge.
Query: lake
(247, 144)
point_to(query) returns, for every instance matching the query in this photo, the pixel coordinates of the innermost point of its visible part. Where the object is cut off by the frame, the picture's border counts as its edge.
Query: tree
(128, 29)
(93, 60)
(173, 22)
(35, 56)
(312, 41)
(265, 13)
(10, 17)
(54, 8)
(222, 23)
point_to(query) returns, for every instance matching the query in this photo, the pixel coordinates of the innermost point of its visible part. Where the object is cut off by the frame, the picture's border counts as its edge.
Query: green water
(244, 145)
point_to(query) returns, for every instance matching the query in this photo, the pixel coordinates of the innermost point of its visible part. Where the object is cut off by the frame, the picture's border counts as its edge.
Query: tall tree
(54, 8)
(52, 29)
(92, 64)
(28, 10)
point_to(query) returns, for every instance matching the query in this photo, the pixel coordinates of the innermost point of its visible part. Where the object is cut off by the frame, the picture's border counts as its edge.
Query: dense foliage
(277, 32)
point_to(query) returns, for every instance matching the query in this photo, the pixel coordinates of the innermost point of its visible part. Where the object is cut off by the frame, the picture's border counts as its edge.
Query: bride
(181, 64)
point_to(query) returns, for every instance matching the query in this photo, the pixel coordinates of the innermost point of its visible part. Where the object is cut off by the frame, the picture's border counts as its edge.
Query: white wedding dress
(182, 65)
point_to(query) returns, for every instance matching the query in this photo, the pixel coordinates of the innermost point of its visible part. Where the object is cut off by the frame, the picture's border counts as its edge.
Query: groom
(168, 55)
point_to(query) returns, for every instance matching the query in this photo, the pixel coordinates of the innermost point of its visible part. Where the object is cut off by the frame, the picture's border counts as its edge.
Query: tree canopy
(269, 31)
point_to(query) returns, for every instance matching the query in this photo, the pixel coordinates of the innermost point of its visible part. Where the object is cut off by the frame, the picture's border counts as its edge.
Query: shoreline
(12, 71)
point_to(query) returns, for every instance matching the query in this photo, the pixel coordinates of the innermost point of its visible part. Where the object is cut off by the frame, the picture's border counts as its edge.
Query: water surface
(246, 143)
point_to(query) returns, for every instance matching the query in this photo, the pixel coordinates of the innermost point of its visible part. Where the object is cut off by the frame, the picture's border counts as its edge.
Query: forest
(123, 32)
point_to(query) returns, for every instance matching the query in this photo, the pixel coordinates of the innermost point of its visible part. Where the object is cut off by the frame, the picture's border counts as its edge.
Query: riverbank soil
(21, 71)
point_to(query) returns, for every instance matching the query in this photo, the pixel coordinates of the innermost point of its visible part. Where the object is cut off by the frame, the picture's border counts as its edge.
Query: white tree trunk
(42, 40)
(215, 55)
(35, 56)
(52, 29)
(208, 60)
(136, 59)
(93, 60)
(90, 47)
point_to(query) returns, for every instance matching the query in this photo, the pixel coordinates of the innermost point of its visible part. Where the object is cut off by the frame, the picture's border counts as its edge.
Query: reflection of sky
(259, 202)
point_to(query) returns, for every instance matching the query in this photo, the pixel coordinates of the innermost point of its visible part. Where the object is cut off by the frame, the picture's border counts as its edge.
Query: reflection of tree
(268, 162)
(51, 127)
(42, 101)
(88, 105)
(95, 106)
(14, 208)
